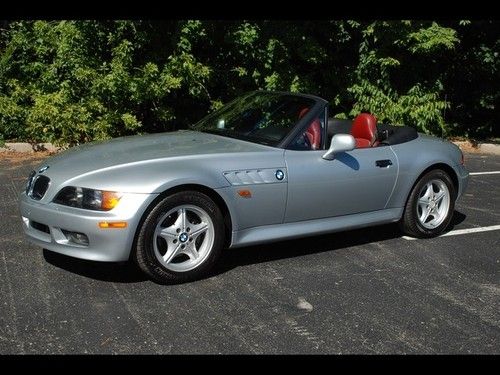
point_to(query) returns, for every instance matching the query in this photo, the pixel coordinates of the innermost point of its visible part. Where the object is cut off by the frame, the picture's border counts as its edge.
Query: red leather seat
(364, 130)
(313, 131)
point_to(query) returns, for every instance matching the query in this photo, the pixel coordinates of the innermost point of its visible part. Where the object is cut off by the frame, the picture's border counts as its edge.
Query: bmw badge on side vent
(279, 174)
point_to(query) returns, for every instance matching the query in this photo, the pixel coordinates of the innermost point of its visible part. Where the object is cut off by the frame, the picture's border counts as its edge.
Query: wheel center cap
(183, 237)
(432, 205)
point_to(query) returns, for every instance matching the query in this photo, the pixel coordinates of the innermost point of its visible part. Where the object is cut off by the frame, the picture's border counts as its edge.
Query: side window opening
(311, 139)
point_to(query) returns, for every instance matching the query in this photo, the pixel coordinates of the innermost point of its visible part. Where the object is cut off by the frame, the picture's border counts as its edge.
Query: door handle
(383, 163)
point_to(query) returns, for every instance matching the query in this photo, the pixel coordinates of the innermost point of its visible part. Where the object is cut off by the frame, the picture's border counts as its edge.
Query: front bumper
(47, 225)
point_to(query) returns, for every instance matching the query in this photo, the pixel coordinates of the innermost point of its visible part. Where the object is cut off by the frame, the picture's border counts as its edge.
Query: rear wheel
(430, 206)
(181, 238)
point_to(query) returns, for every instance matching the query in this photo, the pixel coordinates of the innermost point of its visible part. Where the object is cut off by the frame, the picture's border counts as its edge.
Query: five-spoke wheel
(181, 238)
(430, 206)
(433, 204)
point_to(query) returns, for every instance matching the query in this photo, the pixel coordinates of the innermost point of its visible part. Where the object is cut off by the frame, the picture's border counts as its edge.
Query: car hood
(135, 149)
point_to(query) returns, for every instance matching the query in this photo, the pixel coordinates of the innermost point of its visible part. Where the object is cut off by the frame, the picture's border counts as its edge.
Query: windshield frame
(318, 105)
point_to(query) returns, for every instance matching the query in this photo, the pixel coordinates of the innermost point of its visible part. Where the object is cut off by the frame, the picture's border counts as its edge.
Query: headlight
(89, 199)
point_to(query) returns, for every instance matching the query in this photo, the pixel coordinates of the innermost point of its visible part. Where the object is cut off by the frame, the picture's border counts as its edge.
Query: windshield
(261, 117)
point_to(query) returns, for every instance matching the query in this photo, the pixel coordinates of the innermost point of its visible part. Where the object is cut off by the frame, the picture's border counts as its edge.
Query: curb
(481, 148)
(466, 146)
(28, 147)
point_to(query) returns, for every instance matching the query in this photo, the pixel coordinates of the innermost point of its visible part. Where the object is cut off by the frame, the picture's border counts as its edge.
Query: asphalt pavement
(363, 291)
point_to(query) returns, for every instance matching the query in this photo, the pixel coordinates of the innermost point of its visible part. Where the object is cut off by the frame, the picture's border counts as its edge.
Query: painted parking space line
(481, 173)
(461, 231)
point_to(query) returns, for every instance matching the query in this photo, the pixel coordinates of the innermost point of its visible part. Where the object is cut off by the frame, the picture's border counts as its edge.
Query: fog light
(76, 238)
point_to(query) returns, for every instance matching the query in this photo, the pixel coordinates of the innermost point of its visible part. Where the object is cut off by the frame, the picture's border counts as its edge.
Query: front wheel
(181, 238)
(430, 206)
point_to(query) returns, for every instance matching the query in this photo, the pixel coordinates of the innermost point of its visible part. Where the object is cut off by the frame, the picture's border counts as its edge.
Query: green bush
(70, 82)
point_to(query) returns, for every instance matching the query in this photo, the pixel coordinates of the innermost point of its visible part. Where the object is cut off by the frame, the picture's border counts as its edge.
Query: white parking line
(480, 173)
(461, 231)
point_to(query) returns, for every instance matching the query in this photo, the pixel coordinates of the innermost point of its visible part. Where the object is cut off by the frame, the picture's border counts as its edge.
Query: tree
(71, 82)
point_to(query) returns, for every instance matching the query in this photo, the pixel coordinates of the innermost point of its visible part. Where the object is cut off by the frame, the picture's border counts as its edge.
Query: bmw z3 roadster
(267, 166)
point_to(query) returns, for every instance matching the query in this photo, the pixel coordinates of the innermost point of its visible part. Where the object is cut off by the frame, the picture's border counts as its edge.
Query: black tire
(410, 224)
(144, 254)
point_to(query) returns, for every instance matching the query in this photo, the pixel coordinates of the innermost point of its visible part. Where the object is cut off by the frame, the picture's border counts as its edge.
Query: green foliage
(375, 90)
(432, 39)
(70, 82)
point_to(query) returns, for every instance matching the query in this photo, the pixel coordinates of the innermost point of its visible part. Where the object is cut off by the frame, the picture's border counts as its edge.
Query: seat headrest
(365, 126)
(302, 112)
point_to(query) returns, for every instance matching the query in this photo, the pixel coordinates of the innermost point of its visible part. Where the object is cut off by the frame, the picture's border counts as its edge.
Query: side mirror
(340, 143)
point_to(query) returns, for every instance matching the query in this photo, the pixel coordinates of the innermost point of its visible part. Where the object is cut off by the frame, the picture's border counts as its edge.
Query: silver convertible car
(267, 166)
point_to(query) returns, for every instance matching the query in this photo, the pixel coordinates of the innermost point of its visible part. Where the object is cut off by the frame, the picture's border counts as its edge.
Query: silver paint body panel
(315, 196)
(313, 227)
(106, 245)
(348, 184)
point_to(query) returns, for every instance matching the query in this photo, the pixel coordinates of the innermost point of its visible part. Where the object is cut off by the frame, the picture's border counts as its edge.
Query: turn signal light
(112, 224)
(245, 193)
(109, 200)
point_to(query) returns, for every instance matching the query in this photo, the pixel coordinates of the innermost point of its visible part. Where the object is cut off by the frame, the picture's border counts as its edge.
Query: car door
(356, 181)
